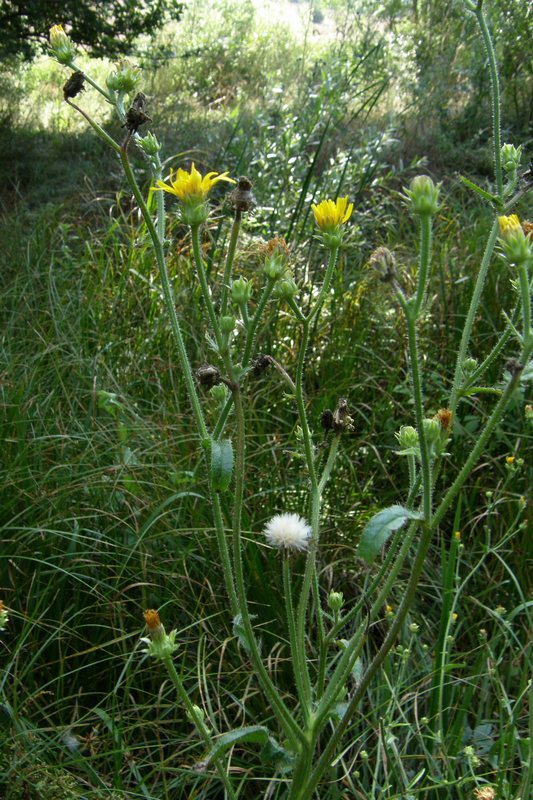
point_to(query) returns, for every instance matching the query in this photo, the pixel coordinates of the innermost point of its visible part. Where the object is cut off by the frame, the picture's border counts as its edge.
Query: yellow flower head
(191, 187)
(330, 214)
(60, 45)
(509, 225)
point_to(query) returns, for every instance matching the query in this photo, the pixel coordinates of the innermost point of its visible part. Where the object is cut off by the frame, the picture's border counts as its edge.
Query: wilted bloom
(517, 246)
(160, 644)
(60, 45)
(423, 195)
(4, 616)
(289, 531)
(276, 258)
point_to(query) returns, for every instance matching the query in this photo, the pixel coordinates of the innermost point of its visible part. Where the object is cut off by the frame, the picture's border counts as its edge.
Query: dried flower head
(444, 417)
(485, 793)
(136, 114)
(288, 531)
(159, 643)
(241, 199)
(74, 85)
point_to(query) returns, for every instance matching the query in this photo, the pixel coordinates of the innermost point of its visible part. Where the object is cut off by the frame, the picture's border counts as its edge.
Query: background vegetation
(102, 514)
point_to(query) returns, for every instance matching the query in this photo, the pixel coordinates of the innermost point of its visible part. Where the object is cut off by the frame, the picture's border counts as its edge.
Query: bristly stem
(202, 277)
(495, 97)
(235, 229)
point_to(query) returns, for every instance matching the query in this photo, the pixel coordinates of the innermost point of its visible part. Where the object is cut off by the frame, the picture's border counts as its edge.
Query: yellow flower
(330, 214)
(510, 460)
(60, 44)
(509, 225)
(191, 187)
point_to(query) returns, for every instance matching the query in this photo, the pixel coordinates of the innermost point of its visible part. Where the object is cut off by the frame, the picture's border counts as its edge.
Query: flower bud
(424, 195)
(227, 324)
(241, 291)
(219, 393)
(510, 156)
(276, 258)
(149, 144)
(335, 601)
(61, 46)
(469, 366)
(408, 437)
(517, 247)
(286, 289)
(432, 430)
(124, 79)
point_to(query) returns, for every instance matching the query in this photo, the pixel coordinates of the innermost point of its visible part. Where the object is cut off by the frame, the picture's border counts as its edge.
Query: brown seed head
(241, 198)
(527, 227)
(276, 245)
(208, 376)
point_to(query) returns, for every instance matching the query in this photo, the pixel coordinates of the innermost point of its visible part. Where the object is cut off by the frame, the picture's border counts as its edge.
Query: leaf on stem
(378, 530)
(221, 464)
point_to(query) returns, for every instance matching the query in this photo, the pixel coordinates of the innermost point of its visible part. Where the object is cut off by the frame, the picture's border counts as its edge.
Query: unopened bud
(423, 195)
(335, 601)
(510, 156)
(408, 437)
(227, 324)
(61, 46)
(149, 144)
(241, 291)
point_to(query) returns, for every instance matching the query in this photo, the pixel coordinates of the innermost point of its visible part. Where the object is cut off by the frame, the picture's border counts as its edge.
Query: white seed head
(289, 531)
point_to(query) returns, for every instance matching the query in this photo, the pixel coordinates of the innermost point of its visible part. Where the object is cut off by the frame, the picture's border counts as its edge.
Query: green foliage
(108, 29)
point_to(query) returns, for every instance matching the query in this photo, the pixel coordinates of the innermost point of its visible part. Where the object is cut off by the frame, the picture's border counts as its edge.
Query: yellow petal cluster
(329, 214)
(509, 225)
(191, 186)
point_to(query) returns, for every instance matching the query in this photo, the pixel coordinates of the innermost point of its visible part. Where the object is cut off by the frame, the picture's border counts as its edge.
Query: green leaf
(492, 198)
(240, 631)
(221, 464)
(252, 733)
(378, 530)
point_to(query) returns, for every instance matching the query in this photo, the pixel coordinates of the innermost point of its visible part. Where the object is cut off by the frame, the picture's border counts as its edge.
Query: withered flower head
(339, 420)
(485, 793)
(382, 260)
(326, 419)
(136, 114)
(151, 617)
(276, 245)
(241, 198)
(208, 376)
(74, 85)
(444, 418)
(260, 364)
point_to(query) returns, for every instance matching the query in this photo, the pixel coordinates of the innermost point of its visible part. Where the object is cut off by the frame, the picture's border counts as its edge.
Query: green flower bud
(160, 644)
(469, 366)
(275, 266)
(510, 156)
(227, 324)
(149, 144)
(286, 289)
(60, 45)
(408, 437)
(125, 79)
(219, 393)
(516, 246)
(424, 195)
(335, 601)
(432, 430)
(241, 291)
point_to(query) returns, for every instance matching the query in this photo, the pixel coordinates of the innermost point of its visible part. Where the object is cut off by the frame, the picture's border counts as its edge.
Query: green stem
(327, 755)
(291, 728)
(199, 723)
(495, 97)
(168, 296)
(298, 667)
(425, 464)
(224, 553)
(424, 259)
(95, 126)
(481, 441)
(200, 269)
(75, 68)
(235, 228)
(326, 472)
(472, 311)
(333, 253)
(494, 353)
(525, 295)
(250, 338)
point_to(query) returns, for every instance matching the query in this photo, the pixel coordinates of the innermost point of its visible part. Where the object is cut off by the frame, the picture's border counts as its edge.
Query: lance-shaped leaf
(378, 530)
(253, 734)
(221, 464)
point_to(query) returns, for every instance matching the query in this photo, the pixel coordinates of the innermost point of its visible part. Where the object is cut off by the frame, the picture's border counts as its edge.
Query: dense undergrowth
(103, 515)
